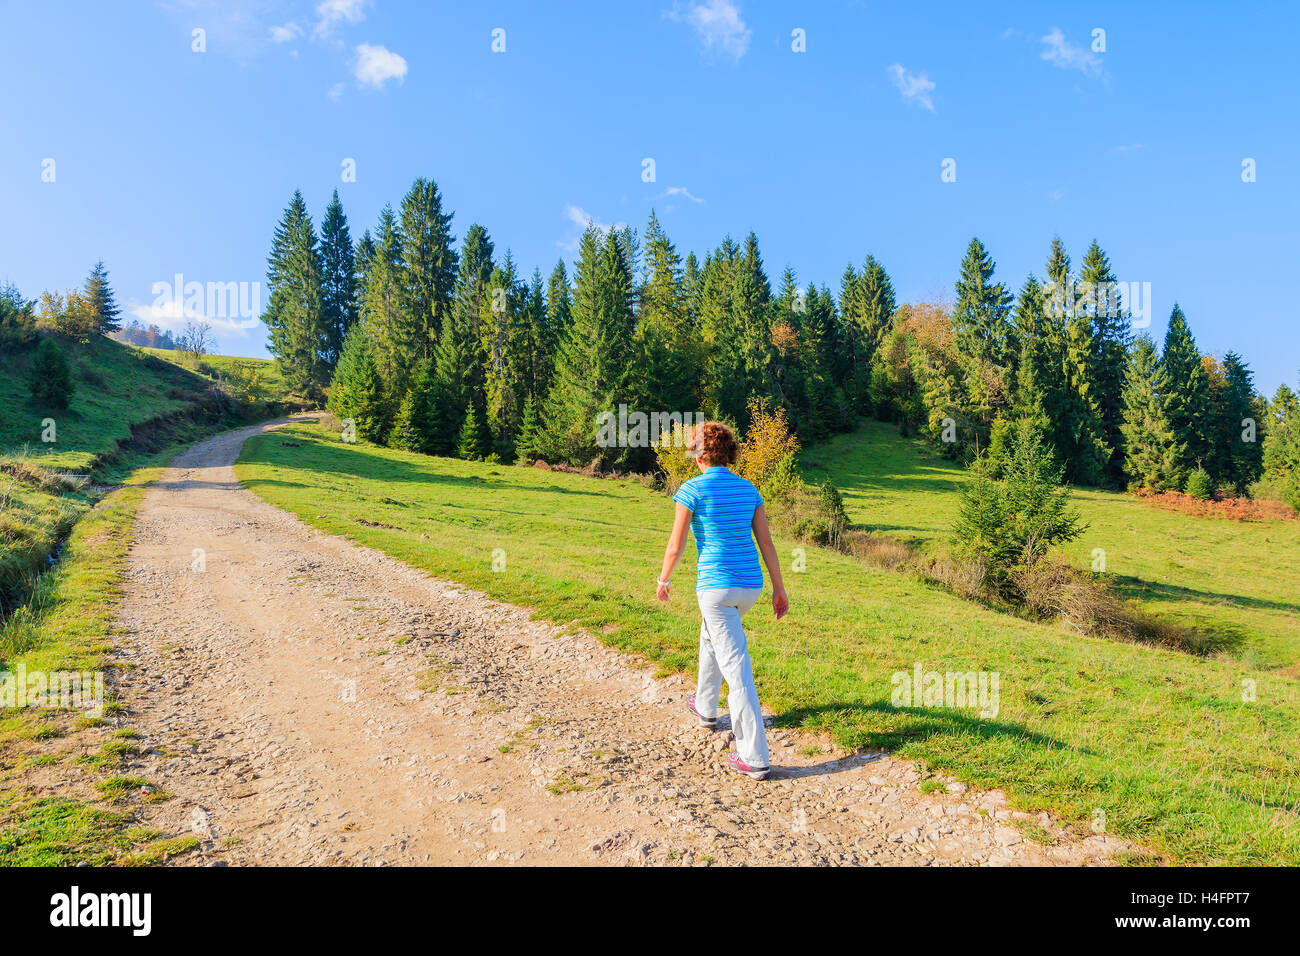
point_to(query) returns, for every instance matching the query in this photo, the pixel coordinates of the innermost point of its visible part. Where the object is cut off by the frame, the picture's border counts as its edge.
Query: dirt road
(307, 700)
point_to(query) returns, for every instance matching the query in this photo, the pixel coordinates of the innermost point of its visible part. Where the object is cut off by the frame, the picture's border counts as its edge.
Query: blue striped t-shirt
(722, 508)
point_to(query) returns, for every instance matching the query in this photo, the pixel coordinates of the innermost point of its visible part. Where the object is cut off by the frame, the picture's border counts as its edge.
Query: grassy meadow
(1239, 580)
(1161, 741)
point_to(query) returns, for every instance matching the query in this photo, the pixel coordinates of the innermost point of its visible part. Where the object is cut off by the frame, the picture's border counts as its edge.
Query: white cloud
(681, 191)
(376, 65)
(174, 314)
(915, 87)
(719, 24)
(335, 92)
(582, 219)
(290, 31)
(330, 13)
(1058, 51)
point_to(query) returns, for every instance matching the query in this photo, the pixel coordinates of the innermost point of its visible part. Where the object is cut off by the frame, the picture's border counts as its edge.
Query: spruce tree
(1281, 453)
(101, 301)
(691, 285)
(722, 381)
(294, 316)
(51, 382)
(1152, 451)
(1012, 521)
(853, 365)
(429, 266)
(1185, 387)
(413, 427)
(539, 340)
(339, 299)
(559, 301)
(458, 354)
(876, 294)
(530, 444)
(1076, 416)
(503, 343)
(474, 442)
(357, 390)
(982, 326)
(1218, 434)
(821, 408)
(981, 316)
(363, 257)
(1111, 335)
(591, 368)
(383, 307)
(668, 356)
(1238, 415)
(751, 296)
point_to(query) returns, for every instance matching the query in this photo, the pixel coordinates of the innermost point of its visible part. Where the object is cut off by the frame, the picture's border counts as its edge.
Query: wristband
(662, 584)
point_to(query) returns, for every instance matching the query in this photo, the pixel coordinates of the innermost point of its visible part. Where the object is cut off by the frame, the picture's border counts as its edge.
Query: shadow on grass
(864, 485)
(475, 513)
(396, 470)
(923, 723)
(1139, 588)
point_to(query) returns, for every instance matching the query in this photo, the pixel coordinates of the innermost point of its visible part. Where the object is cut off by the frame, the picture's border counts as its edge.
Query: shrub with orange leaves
(677, 463)
(785, 339)
(768, 440)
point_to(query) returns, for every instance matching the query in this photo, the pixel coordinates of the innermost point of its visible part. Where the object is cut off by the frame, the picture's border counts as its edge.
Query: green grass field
(1237, 579)
(1162, 742)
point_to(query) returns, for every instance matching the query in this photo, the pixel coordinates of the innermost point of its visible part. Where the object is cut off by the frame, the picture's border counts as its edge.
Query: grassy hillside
(1239, 579)
(1160, 741)
(128, 405)
(118, 388)
(270, 385)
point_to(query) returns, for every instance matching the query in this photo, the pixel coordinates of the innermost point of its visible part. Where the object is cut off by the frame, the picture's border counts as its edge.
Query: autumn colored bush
(674, 459)
(768, 441)
(1237, 509)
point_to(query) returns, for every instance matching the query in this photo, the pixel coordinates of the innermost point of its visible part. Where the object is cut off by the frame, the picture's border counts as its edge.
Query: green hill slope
(1217, 575)
(128, 405)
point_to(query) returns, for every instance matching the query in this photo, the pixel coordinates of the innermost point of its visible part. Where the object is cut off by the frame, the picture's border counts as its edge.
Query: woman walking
(725, 512)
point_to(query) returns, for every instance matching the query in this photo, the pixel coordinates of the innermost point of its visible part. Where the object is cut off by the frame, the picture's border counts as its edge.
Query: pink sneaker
(758, 773)
(708, 723)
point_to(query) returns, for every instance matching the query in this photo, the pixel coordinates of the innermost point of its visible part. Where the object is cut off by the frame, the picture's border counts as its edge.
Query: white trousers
(725, 656)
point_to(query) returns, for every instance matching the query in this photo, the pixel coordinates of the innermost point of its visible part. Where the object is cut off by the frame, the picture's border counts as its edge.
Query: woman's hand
(780, 603)
(673, 553)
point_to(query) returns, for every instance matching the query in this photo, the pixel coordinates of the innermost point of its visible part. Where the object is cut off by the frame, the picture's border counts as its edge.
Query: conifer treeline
(450, 350)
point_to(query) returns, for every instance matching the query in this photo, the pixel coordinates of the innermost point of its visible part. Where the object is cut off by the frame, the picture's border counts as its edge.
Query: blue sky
(172, 161)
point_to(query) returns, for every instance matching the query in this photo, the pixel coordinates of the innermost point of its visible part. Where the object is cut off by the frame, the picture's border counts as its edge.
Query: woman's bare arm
(676, 545)
(780, 603)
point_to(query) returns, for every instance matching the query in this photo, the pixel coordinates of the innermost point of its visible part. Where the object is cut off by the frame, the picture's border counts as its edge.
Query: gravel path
(306, 700)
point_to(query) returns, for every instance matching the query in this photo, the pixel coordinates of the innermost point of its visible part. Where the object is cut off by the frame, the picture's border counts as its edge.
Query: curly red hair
(713, 443)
